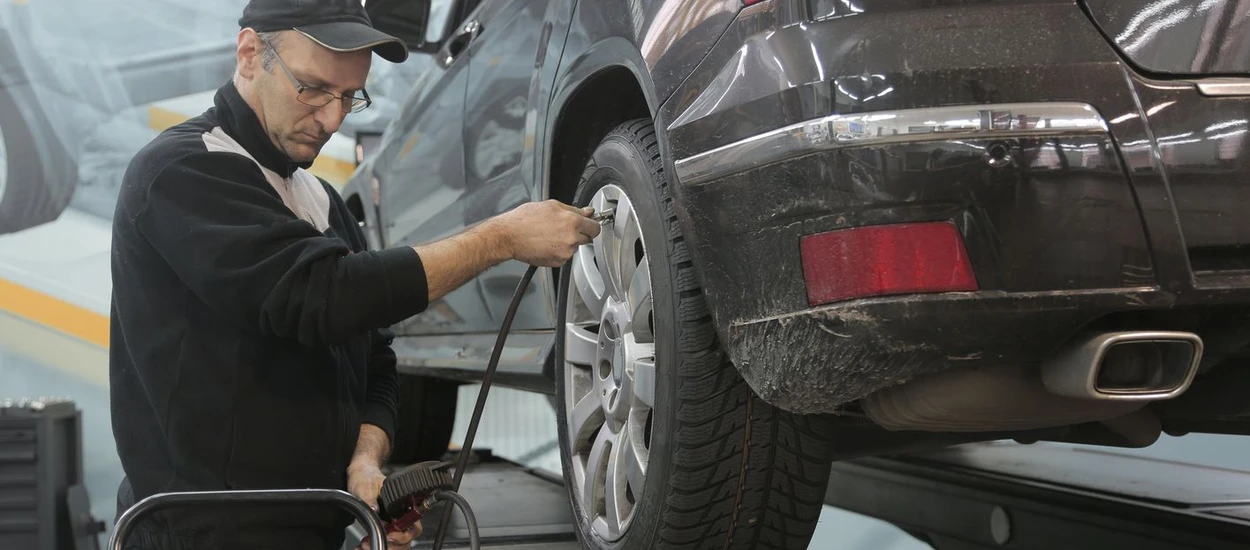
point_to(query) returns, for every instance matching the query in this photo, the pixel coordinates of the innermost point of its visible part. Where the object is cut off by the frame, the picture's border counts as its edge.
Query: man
(249, 348)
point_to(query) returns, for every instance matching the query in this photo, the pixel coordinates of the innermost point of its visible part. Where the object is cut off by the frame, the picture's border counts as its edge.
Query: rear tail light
(885, 260)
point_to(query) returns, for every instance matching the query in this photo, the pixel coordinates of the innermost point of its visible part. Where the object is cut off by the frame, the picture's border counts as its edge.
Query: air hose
(462, 460)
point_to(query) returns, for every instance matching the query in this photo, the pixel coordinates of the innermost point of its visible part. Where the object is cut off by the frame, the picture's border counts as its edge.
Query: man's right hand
(545, 233)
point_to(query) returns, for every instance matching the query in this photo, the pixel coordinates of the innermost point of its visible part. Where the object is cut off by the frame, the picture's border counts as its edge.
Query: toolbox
(43, 503)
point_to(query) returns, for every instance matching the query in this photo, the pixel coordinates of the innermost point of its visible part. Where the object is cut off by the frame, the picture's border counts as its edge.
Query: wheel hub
(609, 368)
(614, 360)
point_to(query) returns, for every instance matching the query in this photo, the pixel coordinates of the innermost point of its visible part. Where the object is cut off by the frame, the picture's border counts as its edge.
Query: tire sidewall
(18, 143)
(33, 193)
(620, 161)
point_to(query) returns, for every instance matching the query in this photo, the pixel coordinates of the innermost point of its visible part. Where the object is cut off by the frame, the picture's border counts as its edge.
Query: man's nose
(330, 116)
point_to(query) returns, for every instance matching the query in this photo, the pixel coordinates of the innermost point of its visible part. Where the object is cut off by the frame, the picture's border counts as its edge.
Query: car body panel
(1200, 145)
(854, 187)
(1083, 226)
(421, 185)
(1178, 37)
(1078, 230)
(507, 78)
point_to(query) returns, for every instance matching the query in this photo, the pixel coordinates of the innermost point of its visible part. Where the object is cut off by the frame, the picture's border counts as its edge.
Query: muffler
(1135, 366)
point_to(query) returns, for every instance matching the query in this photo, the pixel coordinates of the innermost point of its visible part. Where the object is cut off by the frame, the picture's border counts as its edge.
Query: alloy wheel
(609, 368)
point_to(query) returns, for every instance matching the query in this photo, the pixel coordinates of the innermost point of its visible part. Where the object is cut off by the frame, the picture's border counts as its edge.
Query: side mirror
(410, 21)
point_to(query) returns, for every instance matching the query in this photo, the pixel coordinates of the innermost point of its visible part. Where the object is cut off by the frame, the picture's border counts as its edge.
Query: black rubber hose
(462, 460)
(470, 520)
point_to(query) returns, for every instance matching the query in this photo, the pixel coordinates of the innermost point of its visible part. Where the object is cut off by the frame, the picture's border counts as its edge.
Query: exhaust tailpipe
(1137, 365)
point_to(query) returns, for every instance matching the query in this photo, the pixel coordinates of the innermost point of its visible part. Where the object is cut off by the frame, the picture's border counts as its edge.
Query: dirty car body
(916, 222)
(1089, 190)
(1087, 185)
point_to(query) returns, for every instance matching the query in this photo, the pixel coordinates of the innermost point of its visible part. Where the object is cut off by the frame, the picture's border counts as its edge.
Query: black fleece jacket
(248, 340)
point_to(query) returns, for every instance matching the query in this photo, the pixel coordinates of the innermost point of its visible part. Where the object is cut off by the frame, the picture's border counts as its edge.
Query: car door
(420, 171)
(506, 61)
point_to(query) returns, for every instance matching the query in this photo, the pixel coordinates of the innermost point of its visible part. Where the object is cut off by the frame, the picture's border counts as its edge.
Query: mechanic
(249, 347)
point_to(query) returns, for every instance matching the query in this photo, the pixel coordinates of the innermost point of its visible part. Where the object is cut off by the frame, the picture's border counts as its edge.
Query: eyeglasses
(316, 97)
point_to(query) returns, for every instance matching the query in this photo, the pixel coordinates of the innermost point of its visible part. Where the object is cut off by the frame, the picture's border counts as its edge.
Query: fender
(584, 65)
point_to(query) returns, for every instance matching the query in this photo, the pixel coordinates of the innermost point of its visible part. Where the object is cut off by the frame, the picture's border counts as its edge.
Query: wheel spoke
(616, 503)
(631, 465)
(601, 201)
(580, 345)
(597, 474)
(589, 281)
(584, 418)
(602, 245)
(627, 232)
(643, 380)
(640, 303)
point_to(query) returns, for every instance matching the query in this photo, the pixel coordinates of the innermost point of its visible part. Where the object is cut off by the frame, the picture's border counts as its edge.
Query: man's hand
(365, 477)
(538, 233)
(365, 481)
(545, 233)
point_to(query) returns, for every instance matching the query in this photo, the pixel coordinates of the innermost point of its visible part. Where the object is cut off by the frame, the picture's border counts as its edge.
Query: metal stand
(991, 496)
(358, 508)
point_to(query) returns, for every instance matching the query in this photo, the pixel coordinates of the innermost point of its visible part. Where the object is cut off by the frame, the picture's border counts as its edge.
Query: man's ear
(248, 54)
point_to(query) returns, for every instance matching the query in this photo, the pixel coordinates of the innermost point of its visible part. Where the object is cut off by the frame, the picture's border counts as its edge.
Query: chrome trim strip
(903, 126)
(1223, 87)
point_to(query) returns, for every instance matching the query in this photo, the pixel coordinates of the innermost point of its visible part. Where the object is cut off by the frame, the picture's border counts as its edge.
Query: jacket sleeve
(381, 404)
(242, 251)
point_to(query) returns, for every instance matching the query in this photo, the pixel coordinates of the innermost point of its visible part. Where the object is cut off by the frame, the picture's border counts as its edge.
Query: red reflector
(885, 260)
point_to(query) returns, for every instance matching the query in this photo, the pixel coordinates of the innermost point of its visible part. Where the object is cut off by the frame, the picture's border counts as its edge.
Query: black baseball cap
(340, 25)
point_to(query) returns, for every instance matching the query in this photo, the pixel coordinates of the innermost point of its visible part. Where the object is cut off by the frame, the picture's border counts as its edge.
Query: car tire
(426, 416)
(27, 196)
(722, 468)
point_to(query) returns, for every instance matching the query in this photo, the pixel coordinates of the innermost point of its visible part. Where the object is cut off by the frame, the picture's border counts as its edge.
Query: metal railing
(373, 524)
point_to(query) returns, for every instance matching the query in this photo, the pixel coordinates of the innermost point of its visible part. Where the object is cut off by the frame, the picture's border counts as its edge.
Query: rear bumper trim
(1224, 87)
(902, 126)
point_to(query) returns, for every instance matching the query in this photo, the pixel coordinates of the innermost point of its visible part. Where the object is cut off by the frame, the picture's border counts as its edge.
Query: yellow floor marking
(40, 308)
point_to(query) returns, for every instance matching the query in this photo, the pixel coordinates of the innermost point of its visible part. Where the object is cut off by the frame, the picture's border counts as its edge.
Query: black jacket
(247, 341)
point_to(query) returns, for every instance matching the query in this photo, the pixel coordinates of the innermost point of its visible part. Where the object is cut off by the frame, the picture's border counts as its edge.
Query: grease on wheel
(609, 360)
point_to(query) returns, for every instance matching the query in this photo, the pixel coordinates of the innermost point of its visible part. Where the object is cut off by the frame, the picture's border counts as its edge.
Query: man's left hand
(365, 481)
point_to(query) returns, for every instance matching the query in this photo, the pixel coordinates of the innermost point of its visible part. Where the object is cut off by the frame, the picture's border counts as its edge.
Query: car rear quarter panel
(668, 39)
(772, 69)
(1065, 220)
(658, 41)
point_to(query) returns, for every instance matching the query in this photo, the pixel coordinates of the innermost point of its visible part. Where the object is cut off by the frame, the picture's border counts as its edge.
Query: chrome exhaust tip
(1137, 365)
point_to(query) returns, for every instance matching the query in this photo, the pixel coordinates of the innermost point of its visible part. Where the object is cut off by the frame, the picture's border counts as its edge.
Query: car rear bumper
(817, 360)
(1123, 210)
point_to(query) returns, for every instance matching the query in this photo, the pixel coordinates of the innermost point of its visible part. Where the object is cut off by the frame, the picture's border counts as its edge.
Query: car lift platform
(1048, 496)
(980, 496)
(517, 508)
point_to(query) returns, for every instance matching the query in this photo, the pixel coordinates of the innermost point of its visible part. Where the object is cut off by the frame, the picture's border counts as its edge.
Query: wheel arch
(610, 73)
